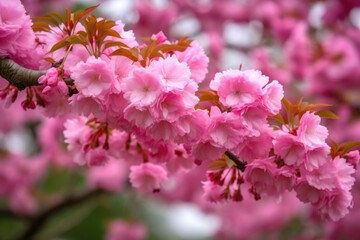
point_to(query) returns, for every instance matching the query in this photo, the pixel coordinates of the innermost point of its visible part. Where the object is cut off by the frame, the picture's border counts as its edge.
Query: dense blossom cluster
(134, 111)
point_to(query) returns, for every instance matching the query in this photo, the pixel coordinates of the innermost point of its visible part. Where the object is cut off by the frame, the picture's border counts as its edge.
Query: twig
(240, 164)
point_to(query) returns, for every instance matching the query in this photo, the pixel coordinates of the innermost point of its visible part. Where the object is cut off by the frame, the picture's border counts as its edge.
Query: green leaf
(90, 26)
(124, 52)
(279, 118)
(56, 16)
(113, 33)
(73, 39)
(46, 19)
(312, 107)
(108, 44)
(217, 164)
(207, 95)
(67, 16)
(50, 60)
(90, 9)
(287, 105)
(59, 45)
(41, 27)
(346, 147)
(327, 114)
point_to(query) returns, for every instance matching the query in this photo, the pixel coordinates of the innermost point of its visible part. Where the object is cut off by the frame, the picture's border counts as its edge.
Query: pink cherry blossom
(315, 158)
(142, 87)
(213, 192)
(344, 172)
(289, 149)
(225, 129)
(335, 205)
(93, 77)
(237, 89)
(192, 126)
(16, 35)
(147, 177)
(307, 193)
(273, 93)
(109, 176)
(163, 130)
(75, 132)
(86, 105)
(174, 74)
(261, 174)
(197, 61)
(122, 66)
(310, 132)
(255, 147)
(169, 106)
(353, 158)
(96, 157)
(285, 179)
(206, 151)
(323, 177)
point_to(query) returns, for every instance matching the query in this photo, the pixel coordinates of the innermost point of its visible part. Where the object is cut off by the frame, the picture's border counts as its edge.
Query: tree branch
(10, 214)
(39, 220)
(17, 75)
(240, 164)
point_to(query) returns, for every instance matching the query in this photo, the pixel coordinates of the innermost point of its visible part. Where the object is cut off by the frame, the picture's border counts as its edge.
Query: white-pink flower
(205, 151)
(174, 74)
(290, 150)
(239, 88)
(323, 178)
(225, 129)
(110, 177)
(213, 192)
(169, 107)
(273, 93)
(353, 158)
(316, 157)
(196, 59)
(307, 193)
(310, 132)
(147, 177)
(96, 157)
(16, 35)
(93, 77)
(261, 174)
(142, 87)
(335, 204)
(76, 133)
(344, 172)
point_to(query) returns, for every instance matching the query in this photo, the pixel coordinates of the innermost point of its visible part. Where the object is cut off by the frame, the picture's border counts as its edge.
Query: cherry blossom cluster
(140, 104)
(311, 47)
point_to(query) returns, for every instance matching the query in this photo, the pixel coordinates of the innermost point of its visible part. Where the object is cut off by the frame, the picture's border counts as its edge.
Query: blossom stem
(239, 164)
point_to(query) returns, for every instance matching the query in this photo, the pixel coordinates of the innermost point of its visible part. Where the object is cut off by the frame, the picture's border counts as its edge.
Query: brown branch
(239, 164)
(38, 221)
(22, 77)
(17, 75)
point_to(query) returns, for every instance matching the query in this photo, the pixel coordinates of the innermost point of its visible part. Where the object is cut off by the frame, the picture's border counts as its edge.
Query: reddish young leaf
(327, 114)
(60, 44)
(124, 52)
